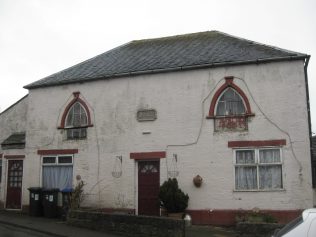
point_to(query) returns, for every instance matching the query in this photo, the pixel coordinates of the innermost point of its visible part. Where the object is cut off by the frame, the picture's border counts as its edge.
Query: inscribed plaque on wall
(146, 115)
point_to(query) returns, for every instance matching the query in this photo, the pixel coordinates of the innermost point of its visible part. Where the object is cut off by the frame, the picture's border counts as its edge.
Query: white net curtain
(262, 172)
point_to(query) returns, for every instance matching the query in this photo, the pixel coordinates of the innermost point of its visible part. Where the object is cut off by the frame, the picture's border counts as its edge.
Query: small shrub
(269, 219)
(77, 196)
(172, 197)
(255, 217)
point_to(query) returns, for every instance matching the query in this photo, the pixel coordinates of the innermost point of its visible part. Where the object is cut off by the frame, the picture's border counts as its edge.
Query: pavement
(57, 227)
(48, 226)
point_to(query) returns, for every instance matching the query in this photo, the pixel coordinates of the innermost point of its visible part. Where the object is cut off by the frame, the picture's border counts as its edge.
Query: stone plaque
(146, 115)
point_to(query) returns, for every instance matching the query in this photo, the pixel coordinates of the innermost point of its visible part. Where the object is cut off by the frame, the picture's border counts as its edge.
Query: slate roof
(189, 51)
(15, 139)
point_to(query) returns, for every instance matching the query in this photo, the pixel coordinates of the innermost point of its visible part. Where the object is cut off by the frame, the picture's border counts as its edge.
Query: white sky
(41, 37)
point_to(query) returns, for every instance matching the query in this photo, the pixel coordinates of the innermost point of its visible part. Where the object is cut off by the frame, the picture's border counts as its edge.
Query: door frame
(7, 159)
(144, 156)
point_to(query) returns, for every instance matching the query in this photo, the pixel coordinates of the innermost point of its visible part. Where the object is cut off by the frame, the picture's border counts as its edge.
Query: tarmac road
(13, 231)
(16, 224)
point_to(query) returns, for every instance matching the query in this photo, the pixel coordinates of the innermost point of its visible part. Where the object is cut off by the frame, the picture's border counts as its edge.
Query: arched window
(76, 122)
(76, 118)
(230, 108)
(230, 103)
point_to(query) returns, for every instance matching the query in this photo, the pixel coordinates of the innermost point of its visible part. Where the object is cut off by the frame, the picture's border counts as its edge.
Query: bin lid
(67, 190)
(35, 188)
(53, 190)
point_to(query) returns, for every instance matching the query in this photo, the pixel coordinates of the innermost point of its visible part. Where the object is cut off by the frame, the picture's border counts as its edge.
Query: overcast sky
(41, 37)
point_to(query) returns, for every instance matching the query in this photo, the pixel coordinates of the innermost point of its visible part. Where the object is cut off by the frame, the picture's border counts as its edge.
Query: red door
(14, 186)
(148, 188)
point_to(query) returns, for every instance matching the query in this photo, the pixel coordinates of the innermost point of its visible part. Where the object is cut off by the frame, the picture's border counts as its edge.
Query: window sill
(231, 116)
(86, 126)
(76, 139)
(261, 190)
(54, 165)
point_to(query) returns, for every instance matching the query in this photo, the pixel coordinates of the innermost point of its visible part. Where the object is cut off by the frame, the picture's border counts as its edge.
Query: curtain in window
(268, 167)
(57, 177)
(245, 157)
(270, 177)
(246, 177)
(270, 156)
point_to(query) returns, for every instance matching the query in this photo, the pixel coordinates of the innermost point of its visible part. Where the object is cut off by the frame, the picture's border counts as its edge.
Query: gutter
(309, 117)
(174, 69)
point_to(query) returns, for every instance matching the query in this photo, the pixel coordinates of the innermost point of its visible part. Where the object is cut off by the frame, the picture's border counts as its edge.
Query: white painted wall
(12, 120)
(276, 92)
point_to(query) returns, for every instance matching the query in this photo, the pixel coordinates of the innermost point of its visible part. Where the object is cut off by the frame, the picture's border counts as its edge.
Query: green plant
(255, 217)
(172, 197)
(269, 219)
(77, 195)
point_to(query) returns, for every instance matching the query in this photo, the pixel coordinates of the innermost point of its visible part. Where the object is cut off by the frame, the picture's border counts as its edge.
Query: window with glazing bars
(258, 169)
(76, 122)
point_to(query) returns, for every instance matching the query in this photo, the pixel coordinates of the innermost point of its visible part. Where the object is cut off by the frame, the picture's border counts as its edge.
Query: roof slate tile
(179, 52)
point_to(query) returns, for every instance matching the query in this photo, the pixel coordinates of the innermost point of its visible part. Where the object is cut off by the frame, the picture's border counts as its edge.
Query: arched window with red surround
(230, 108)
(230, 104)
(76, 118)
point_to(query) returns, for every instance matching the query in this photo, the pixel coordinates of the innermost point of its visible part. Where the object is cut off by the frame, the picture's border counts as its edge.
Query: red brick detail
(230, 123)
(57, 152)
(228, 217)
(148, 155)
(235, 144)
(74, 100)
(14, 156)
(229, 82)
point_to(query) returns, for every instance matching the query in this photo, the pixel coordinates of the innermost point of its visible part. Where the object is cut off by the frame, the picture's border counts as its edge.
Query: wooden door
(14, 185)
(148, 188)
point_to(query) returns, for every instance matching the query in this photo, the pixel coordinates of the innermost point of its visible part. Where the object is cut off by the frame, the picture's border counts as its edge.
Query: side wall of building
(276, 93)
(12, 120)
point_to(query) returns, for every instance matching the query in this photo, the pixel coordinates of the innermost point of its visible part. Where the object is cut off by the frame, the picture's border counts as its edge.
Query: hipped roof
(174, 53)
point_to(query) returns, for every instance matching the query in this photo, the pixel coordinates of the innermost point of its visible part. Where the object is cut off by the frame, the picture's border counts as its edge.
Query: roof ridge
(266, 45)
(174, 36)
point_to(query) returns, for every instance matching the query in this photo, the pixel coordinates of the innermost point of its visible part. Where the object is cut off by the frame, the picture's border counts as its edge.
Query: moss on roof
(188, 51)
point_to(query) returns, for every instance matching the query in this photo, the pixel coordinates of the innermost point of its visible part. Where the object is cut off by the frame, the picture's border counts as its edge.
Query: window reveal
(258, 169)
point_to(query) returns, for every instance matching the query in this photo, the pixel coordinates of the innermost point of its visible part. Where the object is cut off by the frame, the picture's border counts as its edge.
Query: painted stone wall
(12, 120)
(276, 93)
